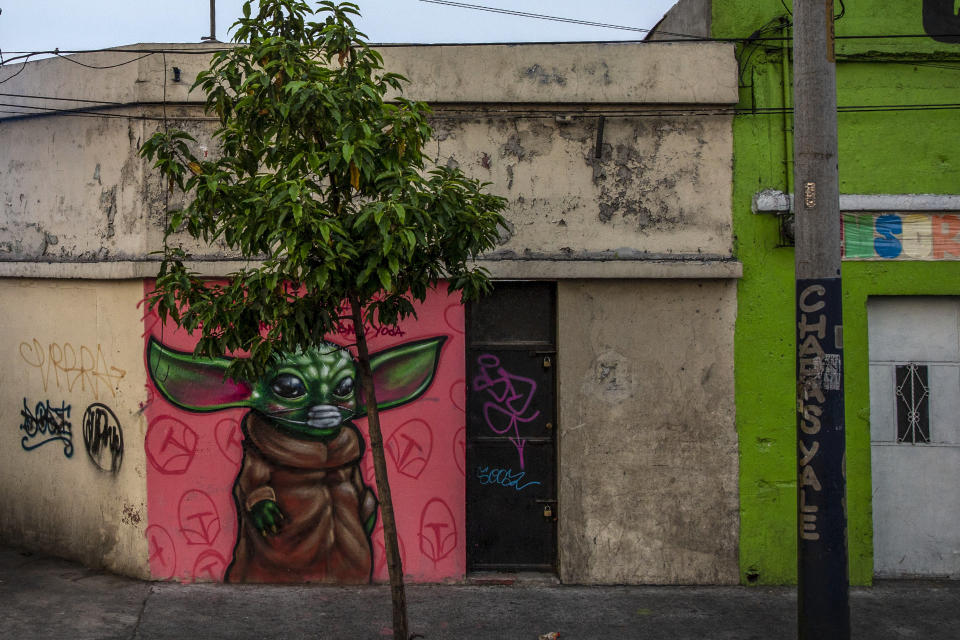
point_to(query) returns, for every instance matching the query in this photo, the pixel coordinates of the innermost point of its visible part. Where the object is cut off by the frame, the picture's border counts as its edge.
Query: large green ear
(401, 374)
(192, 383)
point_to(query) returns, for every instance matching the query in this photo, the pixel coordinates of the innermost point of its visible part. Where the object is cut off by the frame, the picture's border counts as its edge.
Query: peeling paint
(542, 76)
(108, 204)
(639, 182)
(513, 148)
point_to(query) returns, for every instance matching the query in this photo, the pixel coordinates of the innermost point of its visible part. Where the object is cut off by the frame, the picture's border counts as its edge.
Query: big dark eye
(287, 385)
(344, 389)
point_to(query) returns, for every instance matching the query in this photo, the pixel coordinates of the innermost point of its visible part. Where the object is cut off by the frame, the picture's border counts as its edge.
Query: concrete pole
(213, 23)
(823, 582)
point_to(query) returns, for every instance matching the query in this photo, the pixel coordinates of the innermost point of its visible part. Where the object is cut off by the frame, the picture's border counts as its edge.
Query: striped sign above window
(901, 236)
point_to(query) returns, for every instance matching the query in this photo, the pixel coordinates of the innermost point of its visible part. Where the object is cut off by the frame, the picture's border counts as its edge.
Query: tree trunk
(394, 564)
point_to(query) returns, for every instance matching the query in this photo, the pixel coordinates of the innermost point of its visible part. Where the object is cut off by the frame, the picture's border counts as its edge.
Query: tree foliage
(320, 177)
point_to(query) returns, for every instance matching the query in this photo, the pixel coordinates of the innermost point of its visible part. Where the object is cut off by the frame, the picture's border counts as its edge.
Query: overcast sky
(35, 25)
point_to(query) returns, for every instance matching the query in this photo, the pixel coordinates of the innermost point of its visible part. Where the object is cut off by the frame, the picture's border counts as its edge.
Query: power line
(19, 71)
(441, 113)
(109, 66)
(64, 52)
(25, 55)
(685, 36)
(540, 16)
(36, 97)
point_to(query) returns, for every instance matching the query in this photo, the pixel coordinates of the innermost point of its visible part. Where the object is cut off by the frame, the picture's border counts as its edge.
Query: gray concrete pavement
(45, 597)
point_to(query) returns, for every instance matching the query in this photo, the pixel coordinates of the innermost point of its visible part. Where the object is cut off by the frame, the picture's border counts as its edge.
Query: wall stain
(542, 76)
(108, 204)
(131, 515)
(638, 180)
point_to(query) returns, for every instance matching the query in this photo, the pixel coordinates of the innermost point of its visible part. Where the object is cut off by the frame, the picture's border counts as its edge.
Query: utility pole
(213, 23)
(823, 585)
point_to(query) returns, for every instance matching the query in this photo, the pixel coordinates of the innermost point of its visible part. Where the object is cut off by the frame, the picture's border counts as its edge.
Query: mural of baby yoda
(304, 513)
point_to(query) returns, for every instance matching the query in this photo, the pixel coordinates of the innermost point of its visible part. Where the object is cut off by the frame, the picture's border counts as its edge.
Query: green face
(309, 394)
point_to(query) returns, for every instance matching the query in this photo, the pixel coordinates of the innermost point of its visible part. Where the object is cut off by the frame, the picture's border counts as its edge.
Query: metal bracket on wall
(781, 204)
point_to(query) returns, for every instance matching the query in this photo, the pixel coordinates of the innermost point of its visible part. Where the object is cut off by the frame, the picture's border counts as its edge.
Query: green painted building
(898, 77)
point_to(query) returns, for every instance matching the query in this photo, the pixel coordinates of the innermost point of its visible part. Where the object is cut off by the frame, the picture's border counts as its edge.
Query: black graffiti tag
(940, 21)
(103, 437)
(46, 423)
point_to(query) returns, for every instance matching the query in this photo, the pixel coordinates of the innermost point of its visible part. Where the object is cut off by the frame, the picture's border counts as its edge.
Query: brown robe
(325, 503)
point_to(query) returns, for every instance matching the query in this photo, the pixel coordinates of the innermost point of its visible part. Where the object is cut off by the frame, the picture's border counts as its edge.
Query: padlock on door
(547, 511)
(547, 362)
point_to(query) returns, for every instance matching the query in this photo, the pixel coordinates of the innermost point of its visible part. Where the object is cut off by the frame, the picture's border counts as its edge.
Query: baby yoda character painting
(304, 513)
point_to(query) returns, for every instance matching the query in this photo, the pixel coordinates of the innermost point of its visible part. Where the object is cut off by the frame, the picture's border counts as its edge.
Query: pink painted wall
(193, 460)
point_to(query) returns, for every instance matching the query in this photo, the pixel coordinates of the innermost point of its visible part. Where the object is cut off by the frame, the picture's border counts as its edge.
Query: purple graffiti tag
(512, 395)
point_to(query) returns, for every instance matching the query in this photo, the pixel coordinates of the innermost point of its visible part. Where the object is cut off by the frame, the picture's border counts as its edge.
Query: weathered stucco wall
(648, 450)
(72, 465)
(76, 192)
(660, 184)
(575, 136)
(72, 189)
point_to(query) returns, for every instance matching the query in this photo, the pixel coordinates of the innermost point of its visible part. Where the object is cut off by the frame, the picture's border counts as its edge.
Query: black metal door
(511, 426)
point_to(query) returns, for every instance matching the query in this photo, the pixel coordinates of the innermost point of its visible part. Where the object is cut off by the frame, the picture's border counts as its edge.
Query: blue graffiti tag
(504, 477)
(46, 423)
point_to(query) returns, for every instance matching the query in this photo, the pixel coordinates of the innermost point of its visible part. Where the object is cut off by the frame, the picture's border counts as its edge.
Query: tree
(323, 183)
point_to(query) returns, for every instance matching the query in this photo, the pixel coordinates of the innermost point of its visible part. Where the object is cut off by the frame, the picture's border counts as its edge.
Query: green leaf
(385, 279)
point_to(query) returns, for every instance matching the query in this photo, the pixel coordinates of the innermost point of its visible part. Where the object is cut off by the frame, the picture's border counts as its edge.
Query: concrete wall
(648, 449)
(79, 202)
(70, 390)
(615, 189)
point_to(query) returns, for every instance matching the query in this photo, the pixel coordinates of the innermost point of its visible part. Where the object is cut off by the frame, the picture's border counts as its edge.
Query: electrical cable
(36, 97)
(473, 114)
(19, 71)
(681, 38)
(109, 66)
(540, 16)
(42, 111)
(66, 52)
(751, 45)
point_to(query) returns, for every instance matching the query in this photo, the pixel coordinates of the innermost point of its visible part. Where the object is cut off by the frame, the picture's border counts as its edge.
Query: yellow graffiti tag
(66, 367)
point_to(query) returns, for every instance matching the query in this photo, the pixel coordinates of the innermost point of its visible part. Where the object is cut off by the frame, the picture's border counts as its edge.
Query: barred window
(913, 403)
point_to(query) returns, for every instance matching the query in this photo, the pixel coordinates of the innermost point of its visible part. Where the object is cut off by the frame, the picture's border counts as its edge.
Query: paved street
(45, 597)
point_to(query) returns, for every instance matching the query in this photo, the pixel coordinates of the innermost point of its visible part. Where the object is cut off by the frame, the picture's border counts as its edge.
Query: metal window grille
(913, 404)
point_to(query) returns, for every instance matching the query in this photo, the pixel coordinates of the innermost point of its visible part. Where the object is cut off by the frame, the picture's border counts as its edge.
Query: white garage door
(915, 435)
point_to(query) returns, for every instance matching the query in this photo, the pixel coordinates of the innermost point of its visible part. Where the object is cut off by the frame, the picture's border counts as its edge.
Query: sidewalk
(45, 597)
